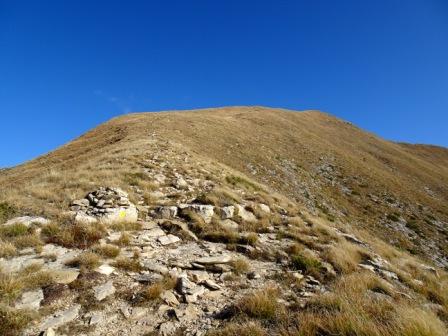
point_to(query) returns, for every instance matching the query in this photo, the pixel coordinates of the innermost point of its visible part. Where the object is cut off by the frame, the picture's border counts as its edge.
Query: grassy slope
(285, 148)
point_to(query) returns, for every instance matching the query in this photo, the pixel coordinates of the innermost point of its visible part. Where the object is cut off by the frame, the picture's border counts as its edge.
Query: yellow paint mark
(122, 214)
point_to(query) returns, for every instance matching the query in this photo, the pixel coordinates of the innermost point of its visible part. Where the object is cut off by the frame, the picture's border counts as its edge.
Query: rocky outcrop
(108, 205)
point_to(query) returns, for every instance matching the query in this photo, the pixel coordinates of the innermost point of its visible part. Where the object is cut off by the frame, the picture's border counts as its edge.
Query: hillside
(300, 206)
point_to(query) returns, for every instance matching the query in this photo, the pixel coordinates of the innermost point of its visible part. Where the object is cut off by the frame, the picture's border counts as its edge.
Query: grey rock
(169, 239)
(103, 291)
(169, 298)
(227, 212)
(223, 259)
(31, 300)
(27, 220)
(61, 318)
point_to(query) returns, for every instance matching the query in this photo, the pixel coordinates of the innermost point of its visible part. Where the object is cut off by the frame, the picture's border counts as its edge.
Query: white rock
(245, 214)
(169, 298)
(205, 211)
(27, 220)
(105, 269)
(166, 212)
(81, 217)
(227, 212)
(61, 318)
(264, 208)
(223, 259)
(169, 239)
(121, 214)
(31, 300)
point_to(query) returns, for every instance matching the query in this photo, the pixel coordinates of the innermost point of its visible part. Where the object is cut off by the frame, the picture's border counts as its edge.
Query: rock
(245, 214)
(205, 211)
(156, 232)
(49, 332)
(185, 286)
(230, 225)
(199, 276)
(138, 312)
(96, 318)
(169, 239)
(193, 297)
(121, 214)
(297, 275)
(367, 267)
(31, 300)
(81, 217)
(148, 278)
(84, 202)
(105, 269)
(175, 226)
(27, 220)
(211, 284)
(253, 275)
(180, 183)
(167, 328)
(223, 259)
(264, 208)
(64, 276)
(227, 212)
(103, 291)
(61, 318)
(166, 212)
(169, 298)
(154, 267)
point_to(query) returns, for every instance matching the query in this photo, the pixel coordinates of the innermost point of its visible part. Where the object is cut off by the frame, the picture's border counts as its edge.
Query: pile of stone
(107, 204)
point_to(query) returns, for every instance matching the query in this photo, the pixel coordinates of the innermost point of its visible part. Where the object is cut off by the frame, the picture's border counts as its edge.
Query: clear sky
(66, 66)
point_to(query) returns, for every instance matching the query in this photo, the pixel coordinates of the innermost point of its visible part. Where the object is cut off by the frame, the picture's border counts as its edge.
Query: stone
(180, 183)
(230, 225)
(154, 267)
(253, 275)
(64, 276)
(138, 312)
(61, 318)
(31, 300)
(264, 208)
(199, 276)
(156, 232)
(167, 328)
(227, 212)
(103, 291)
(169, 298)
(27, 220)
(245, 214)
(149, 278)
(121, 214)
(297, 275)
(211, 284)
(95, 319)
(205, 211)
(105, 269)
(81, 217)
(166, 212)
(169, 239)
(49, 332)
(223, 259)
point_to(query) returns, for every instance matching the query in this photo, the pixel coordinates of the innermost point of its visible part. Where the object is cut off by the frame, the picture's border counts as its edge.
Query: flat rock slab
(169, 239)
(62, 318)
(27, 220)
(64, 276)
(224, 259)
(103, 291)
(105, 269)
(31, 300)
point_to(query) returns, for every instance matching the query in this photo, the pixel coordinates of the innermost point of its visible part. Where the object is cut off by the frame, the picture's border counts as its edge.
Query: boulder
(169, 239)
(121, 214)
(166, 212)
(205, 211)
(31, 300)
(245, 214)
(61, 318)
(227, 212)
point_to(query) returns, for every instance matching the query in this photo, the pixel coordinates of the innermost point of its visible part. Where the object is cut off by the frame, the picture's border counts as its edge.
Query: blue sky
(66, 66)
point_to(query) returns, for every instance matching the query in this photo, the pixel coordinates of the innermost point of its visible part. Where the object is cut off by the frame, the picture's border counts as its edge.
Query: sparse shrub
(307, 264)
(14, 230)
(107, 250)
(247, 328)
(260, 305)
(13, 321)
(86, 260)
(6, 212)
(128, 264)
(124, 240)
(239, 181)
(7, 249)
(126, 226)
(152, 292)
(393, 217)
(240, 266)
(74, 235)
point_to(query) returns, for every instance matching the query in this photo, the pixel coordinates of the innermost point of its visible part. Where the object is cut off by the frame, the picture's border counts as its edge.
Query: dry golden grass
(107, 250)
(248, 328)
(127, 264)
(240, 266)
(85, 261)
(345, 257)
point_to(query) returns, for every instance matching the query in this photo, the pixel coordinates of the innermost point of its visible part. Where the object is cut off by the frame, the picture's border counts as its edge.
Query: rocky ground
(193, 240)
